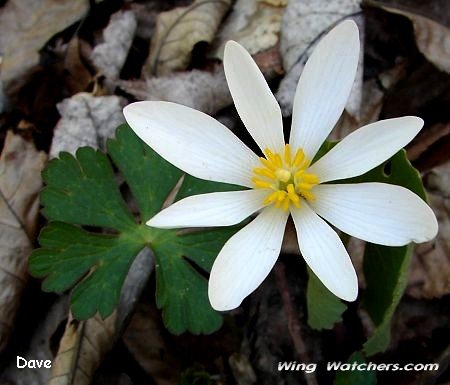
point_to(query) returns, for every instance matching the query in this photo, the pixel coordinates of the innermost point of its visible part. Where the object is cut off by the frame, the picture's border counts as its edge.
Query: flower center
(285, 175)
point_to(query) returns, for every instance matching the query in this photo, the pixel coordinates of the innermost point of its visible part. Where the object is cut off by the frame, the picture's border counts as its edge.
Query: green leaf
(355, 377)
(324, 308)
(150, 177)
(82, 191)
(181, 291)
(386, 268)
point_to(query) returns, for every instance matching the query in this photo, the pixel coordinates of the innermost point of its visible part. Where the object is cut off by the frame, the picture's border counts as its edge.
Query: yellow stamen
(271, 198)
(267, 163)
(305, 186)
(261, 183)
(274, 158)
(309, 196)
(265, 172)
(298, 158)
(287, 178)
(287, 154)
(310, 178)
(281, 195)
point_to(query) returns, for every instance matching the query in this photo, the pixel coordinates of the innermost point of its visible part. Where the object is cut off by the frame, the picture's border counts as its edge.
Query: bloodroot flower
(284, 181)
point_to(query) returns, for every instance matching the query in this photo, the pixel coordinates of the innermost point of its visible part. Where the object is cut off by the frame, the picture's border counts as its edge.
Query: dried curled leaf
(432, 38)
(177, 32)
(255, 24)
(110, 56)
(20, 181)
(202, 90)
(86, 120)
(26, 25)
(81, 350)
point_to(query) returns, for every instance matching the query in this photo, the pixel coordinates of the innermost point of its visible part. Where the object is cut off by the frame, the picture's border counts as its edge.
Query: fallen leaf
(304, 24)
(26, 25)
(432, 38)
(144, 339)
(78, 76)
(110, 56)
(426, 139)
(20, 182)
(39, 347)
(84, 344)
(179, 30)
(255, 24)
(146, 14)
(81, 350)
(430, 270)
(202, 90)
(205, 91)
(86, 120)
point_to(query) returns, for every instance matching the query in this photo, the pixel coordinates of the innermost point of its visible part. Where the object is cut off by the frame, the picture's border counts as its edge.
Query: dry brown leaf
(81, 350)
(78, 76)
(426, 139)
(110, 56)
(177, 32)
(84, 344)
(86, 120)
(20, 182)
(205, 91)
(26, 25)
(304, 23)
(202, 90)
(432, 38)
(255, 24)
(144, 339)
(430, 269)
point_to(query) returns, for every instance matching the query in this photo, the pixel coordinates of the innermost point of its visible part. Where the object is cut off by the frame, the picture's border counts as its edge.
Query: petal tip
(417, 122)
(232, 46)
(432, 227)
(349, 292)
(348, 27)
(220, 302)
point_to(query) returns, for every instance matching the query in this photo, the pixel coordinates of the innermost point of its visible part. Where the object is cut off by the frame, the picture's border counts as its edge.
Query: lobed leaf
(83, 191)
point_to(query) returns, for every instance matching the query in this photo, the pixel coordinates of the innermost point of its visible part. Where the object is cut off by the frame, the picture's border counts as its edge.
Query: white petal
(253, 99)
(324, 87)
(246, 259)
(324, 253)
(376, 212)
(366, 148)
(214, 209)
(192, 141)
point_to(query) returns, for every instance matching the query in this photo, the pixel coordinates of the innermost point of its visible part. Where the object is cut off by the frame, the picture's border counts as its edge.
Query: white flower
(284, 181)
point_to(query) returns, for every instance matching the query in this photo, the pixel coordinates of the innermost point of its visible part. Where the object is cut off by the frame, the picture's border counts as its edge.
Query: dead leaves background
(76, 65)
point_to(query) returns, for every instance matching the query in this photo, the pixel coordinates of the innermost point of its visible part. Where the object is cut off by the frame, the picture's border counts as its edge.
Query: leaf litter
(137, 33)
